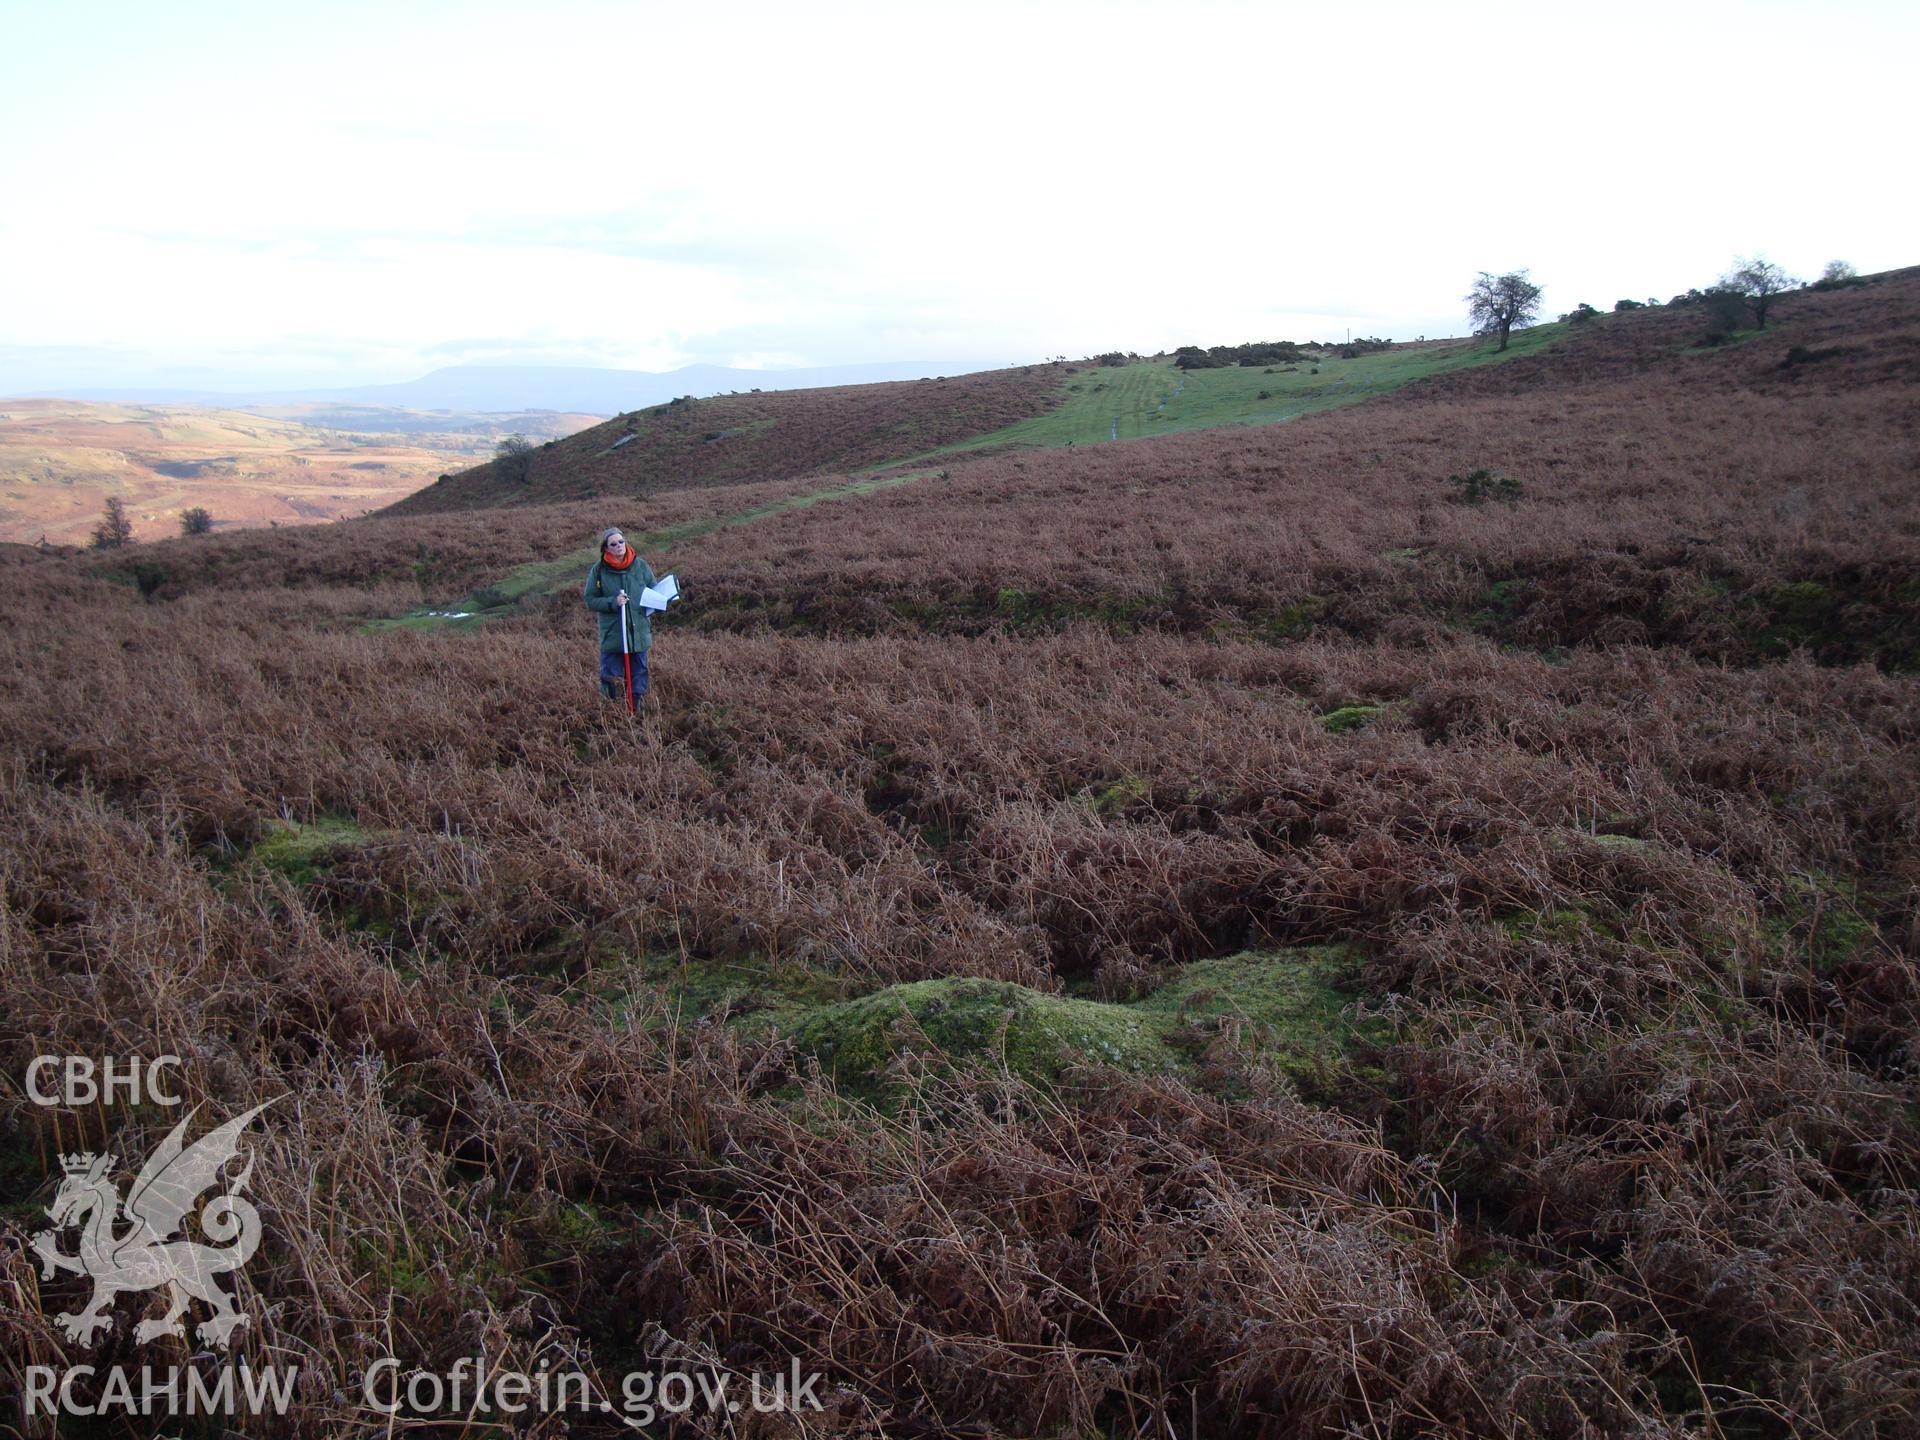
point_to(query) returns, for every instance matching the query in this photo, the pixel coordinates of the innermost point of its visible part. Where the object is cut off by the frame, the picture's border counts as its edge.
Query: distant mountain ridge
(583, 389)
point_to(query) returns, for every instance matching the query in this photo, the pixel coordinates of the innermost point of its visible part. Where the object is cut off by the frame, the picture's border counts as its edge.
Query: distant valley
(60, 460)
(260, 458)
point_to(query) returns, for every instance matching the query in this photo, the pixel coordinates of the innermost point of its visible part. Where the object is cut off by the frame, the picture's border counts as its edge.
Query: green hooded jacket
(603, 586)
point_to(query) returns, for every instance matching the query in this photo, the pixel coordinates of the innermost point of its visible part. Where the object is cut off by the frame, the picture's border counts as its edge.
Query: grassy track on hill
(1155, 398)
(544, 577)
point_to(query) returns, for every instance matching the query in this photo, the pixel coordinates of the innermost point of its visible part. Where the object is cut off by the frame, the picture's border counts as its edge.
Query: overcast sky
(254, 194)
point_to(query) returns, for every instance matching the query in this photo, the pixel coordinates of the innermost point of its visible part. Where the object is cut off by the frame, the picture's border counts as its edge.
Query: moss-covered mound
(301, 851)
(1285, 1003)
(1287, 997)
(1034, 1035)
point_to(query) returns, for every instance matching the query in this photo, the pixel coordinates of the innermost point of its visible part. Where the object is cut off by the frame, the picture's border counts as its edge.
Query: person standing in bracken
(613, 591)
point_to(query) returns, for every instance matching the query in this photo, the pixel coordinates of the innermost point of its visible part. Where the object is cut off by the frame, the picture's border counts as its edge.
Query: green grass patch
(1294, 621)
(1109, 800)
(1800, 615)
(1619, 844)
(1561, 924)
(1499, 604)
(745, 992)
(1292, 998)
(1349, 717)
(298, 850)
(310, 856)
(1003, 1026)
(1818, 923)
(1156, 398)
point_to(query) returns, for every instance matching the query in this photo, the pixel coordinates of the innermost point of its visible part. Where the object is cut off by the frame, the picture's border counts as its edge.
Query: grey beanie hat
(608, 533)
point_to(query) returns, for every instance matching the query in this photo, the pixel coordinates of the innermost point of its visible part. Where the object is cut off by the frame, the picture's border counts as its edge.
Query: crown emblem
(78, 1164)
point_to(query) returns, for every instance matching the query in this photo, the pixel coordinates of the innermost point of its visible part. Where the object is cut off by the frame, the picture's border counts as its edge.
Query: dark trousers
(613, 675)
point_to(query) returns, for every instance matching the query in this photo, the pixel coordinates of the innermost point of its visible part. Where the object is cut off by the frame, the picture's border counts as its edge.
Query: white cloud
(657, 184)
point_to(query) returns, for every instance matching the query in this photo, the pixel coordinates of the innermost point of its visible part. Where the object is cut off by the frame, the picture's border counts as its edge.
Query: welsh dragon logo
(148, 1255)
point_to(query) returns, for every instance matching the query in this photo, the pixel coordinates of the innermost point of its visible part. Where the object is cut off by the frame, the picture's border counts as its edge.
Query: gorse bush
(1266, 352)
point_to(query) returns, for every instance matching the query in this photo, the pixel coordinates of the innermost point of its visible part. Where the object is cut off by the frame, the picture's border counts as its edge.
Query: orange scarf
(613, 564)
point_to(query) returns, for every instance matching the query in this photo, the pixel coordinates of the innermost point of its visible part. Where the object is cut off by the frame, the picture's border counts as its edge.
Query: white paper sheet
(656, 595)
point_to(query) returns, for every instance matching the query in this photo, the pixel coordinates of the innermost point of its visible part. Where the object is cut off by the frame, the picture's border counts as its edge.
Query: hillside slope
(724, 439)
(760, 437)
(1105, 403)
(1643, 487)
(1739, 501)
